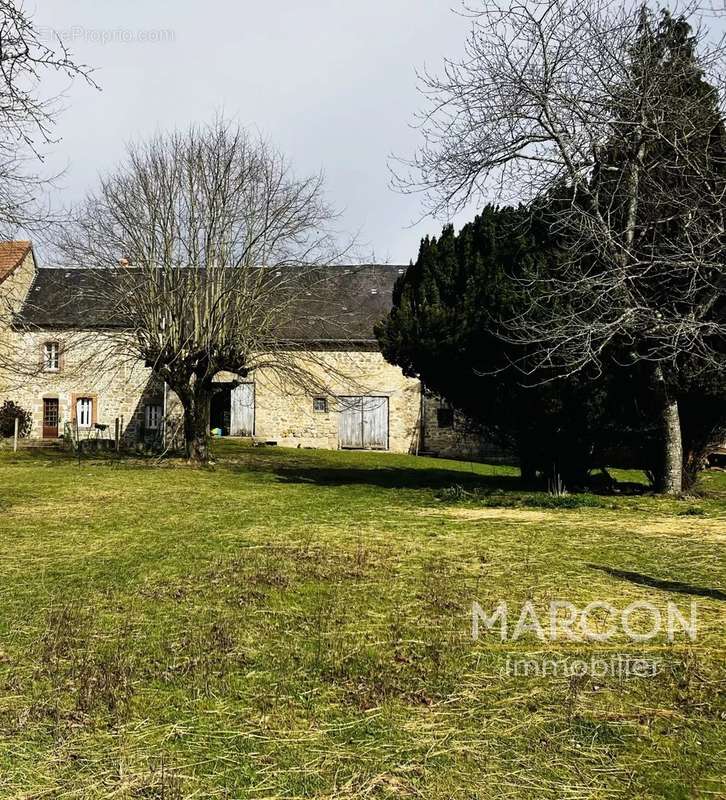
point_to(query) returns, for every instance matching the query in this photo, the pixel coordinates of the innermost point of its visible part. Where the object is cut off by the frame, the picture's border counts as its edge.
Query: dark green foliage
(9, 412)
(502, 279)
(443, 329)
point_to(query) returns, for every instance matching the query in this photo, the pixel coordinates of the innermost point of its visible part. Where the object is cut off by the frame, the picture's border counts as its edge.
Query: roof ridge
(311, 267)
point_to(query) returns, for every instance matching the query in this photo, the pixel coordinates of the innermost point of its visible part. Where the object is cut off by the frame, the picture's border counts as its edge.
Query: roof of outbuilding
(12, 255)
(331, 304)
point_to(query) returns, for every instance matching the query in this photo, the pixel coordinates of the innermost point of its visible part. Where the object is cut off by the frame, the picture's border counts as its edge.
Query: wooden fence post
(15, 435)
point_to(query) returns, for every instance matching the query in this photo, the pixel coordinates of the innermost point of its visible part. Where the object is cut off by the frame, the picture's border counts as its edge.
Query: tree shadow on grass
(658, 583)
(395, 477)
(290, 466)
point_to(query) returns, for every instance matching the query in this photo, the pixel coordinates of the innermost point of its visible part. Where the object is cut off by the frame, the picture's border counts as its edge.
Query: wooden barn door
(363, 423)
(375, 423)
(242, 412)
(350, 427)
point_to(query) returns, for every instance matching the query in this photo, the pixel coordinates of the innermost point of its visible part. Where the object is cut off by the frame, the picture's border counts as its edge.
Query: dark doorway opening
(220, 411)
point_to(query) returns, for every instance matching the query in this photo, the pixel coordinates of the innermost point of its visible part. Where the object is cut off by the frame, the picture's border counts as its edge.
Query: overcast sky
(331, 82)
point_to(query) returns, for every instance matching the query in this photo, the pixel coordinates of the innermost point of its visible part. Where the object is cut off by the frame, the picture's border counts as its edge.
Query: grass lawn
(293, 623)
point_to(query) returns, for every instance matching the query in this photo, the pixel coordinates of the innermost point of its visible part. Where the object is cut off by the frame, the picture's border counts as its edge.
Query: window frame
(83, 399)
(156, 417)
(324, 401)
(444, 417)
(51, 356)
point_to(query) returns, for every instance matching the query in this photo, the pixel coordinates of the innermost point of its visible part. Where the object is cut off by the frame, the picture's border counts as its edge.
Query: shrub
(692, 511)
(9, 412)
(458, 494)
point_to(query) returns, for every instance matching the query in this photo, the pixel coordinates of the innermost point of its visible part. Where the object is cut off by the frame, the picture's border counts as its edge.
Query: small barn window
(51, 356)
(84, 412)
(320, 404)
(445, 417)
(152, 416)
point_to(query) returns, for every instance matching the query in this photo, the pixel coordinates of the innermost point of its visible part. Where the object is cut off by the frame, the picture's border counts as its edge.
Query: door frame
(45, 427)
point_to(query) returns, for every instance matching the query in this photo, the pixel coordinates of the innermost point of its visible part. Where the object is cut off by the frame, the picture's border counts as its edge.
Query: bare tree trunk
(196, 406)
(669, 478)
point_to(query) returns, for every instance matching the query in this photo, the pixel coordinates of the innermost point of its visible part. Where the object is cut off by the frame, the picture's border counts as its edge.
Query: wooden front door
(363, 423)
(242, 411)
(50, 418)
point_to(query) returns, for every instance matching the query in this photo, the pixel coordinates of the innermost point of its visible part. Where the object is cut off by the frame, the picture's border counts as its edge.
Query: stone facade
(286, 413)
(118, 393)
(122, 394)
(447, 433)
(14, 288)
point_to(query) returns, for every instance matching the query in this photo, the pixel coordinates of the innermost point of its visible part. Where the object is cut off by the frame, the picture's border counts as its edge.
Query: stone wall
(13, 290)
(452, 435)
(119, 388)
(284, 409)
(447, 434)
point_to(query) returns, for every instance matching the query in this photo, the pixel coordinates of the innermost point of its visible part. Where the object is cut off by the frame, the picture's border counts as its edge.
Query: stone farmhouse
(49, 323)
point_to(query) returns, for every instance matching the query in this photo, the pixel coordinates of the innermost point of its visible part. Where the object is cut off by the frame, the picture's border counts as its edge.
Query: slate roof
(12, 255)
(340, 303)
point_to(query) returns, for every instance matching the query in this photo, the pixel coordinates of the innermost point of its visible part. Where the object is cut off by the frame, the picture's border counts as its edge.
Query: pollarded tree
(603, 112)
(217, 240)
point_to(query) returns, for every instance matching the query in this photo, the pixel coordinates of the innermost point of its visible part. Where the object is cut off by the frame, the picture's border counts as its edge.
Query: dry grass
(298, 624)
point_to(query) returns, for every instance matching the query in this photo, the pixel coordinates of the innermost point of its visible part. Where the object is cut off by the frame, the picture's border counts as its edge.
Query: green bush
(9, 412)
(458, 494)
(692, 511)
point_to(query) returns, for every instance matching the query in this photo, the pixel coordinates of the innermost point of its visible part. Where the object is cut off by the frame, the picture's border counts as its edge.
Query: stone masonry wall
(291, 419)
(284, 411)
(119, 389)
(456, 440)
(12, 293)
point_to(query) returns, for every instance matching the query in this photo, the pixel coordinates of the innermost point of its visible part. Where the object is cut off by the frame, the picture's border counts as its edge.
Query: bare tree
(611, 116)
(27, 114)
(208, 247)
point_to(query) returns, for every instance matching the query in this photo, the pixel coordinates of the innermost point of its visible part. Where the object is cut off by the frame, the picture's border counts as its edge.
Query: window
(153, 417)
(320, 404)
(445, 417)
(84, 412)
(51, 357)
